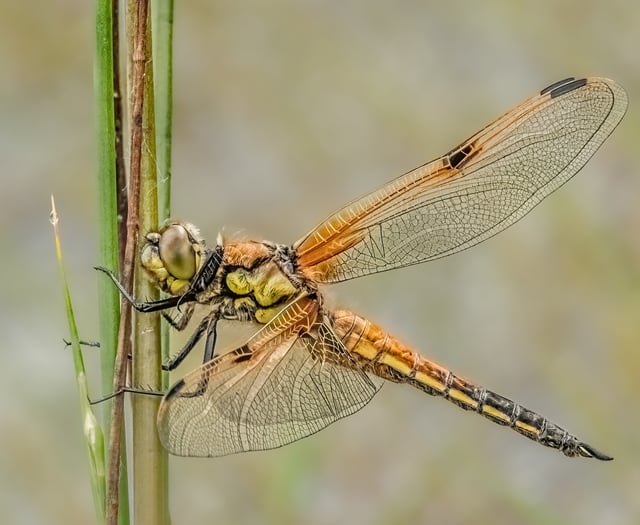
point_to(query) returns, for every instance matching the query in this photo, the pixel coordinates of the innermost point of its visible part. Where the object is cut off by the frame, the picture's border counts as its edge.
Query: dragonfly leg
(146, 307)
(124, 390)
(210, 345)
(175, 361)
(208, 326)
(181, 321)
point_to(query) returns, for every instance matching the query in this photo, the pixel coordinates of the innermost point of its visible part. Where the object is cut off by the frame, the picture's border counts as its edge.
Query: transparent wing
(475, 191)
(290, 380)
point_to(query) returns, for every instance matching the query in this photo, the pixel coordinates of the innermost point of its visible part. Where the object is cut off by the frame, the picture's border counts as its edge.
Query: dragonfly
(308, 366)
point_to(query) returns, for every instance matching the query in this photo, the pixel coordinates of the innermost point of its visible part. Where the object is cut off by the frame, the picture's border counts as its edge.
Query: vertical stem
(108, 305)
(162, 11)
(120, 219)
(150, 462)
(163, 75)
(121, 175)
(138, 39)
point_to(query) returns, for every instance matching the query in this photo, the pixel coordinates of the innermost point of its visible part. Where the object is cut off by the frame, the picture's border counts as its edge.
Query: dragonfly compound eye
(177, 252)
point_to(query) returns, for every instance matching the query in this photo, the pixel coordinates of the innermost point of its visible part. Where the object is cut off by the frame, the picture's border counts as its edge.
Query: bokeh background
(284, 111)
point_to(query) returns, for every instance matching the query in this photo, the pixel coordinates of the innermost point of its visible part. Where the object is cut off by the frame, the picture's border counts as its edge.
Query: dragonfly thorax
(258, 277)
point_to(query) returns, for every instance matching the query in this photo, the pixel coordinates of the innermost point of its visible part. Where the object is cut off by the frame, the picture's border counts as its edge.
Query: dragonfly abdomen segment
(381, 354)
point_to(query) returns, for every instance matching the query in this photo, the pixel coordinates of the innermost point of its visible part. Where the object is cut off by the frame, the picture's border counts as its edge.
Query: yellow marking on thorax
(267, 283)
(239, 282)
(271, 285)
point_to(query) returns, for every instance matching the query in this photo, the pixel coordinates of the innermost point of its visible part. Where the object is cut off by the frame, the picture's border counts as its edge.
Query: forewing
(290, 380)
(475, 191)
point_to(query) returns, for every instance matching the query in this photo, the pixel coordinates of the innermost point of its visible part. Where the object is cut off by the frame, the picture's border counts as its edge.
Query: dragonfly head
(173, 256)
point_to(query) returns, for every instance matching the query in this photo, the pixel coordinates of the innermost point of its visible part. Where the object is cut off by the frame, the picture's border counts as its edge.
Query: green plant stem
(94, 438)
(121, 175)
(136, 36)
(150, 462)
(109, 301)
(162, 11)
(108, 298)
(163, 83)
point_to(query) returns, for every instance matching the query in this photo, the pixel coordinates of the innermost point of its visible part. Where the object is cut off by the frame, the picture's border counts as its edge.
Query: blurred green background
(284, 111)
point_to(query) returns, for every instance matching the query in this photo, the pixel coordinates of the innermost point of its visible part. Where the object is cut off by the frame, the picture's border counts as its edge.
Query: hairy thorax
(254, 279)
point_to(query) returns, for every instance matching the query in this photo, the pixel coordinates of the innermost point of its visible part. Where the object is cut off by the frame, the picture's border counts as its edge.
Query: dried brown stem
(124, 336)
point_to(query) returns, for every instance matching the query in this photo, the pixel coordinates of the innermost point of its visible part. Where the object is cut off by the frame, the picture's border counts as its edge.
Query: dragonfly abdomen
(383, 355)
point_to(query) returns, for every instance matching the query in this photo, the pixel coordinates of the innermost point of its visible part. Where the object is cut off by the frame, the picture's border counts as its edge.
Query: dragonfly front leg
(180, 321)
(150, 306)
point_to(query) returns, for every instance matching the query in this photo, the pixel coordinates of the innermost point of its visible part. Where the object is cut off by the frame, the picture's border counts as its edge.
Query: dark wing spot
(243, 357)
(457, 157)
(567, 88)
(556, 84)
